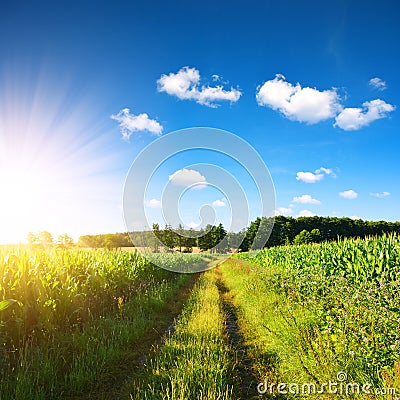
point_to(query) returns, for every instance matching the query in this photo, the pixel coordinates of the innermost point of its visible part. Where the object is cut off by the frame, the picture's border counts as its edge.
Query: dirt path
(246, 380)
(116, 385)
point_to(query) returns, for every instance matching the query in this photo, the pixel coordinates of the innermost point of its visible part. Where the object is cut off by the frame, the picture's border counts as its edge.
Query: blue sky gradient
(67, 67)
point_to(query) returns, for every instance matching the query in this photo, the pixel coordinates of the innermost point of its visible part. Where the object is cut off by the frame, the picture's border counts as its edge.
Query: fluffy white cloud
(352, 119)
(153, 203)
(306, 199)
(185, 85)
(130, 123)
(305, 213)
(349, 194)
(311, 105)
(308, 177)
(378, 83)
(192, 225)
(380, 195)
(218, 203)
(188, 177)
(283, 211)
(296, 103)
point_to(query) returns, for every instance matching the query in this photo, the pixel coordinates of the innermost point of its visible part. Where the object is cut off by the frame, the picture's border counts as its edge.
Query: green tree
(250, 235)
(169, 237)
(205, 240)
(157, 237)
(315, 235)
(219, 239)
(235, 239)
(303, 237)
(279, 231)
(109, 241)
(180, 238)
(262, 233)
(190, 240)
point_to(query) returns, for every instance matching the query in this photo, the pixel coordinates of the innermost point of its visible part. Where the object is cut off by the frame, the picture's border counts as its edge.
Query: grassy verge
(195, 362)
(274, 330)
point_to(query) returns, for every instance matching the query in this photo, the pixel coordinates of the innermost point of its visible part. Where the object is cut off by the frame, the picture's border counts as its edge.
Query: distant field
(195, 250)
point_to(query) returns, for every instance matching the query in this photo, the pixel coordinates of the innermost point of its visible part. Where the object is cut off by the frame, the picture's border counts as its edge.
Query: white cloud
(305, 199)
(311, 105)
(349, 194)
(305, 213)
(153, 203)
(377, 83)
(326, 171)
(188, 177)
(352, 119)
(130, 123)
(296, 103)
(309, 177)
(185, 85)
(380, 195)
(354, 217)
(218, 203)
(192, 225)
(283, 211)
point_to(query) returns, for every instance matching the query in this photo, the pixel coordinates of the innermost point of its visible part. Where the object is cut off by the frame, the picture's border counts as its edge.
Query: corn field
(68, 316)
(352, 290)
(43, 291)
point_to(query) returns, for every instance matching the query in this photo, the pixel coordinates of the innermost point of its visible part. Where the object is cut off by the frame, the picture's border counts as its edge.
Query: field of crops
(79, 324)
(315, 310)
(67, 316)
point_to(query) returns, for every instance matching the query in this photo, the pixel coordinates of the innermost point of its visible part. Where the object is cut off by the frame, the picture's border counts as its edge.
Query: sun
(24, 200)
(61, 169)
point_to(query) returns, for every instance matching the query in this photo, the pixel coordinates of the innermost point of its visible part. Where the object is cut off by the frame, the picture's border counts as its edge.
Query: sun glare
(24, 201)
(55, 159)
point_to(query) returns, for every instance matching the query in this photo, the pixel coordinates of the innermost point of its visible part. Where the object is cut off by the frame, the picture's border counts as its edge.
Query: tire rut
(246, 379)
(115, 387)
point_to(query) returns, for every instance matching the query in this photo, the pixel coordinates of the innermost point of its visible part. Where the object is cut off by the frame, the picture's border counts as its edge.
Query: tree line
(210, 238)
(289, 230)
(45, 239)
(285, 230)
(270, 232)
(107, 241)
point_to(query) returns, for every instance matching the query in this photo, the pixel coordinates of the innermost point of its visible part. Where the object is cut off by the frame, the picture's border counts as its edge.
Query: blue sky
(313, 87)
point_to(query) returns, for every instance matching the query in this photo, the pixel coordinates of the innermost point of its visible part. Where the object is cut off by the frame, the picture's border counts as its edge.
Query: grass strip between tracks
(195, 361)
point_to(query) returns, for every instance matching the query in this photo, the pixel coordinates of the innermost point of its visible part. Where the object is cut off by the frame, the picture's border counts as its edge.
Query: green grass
(277, 333)
(195, 362)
